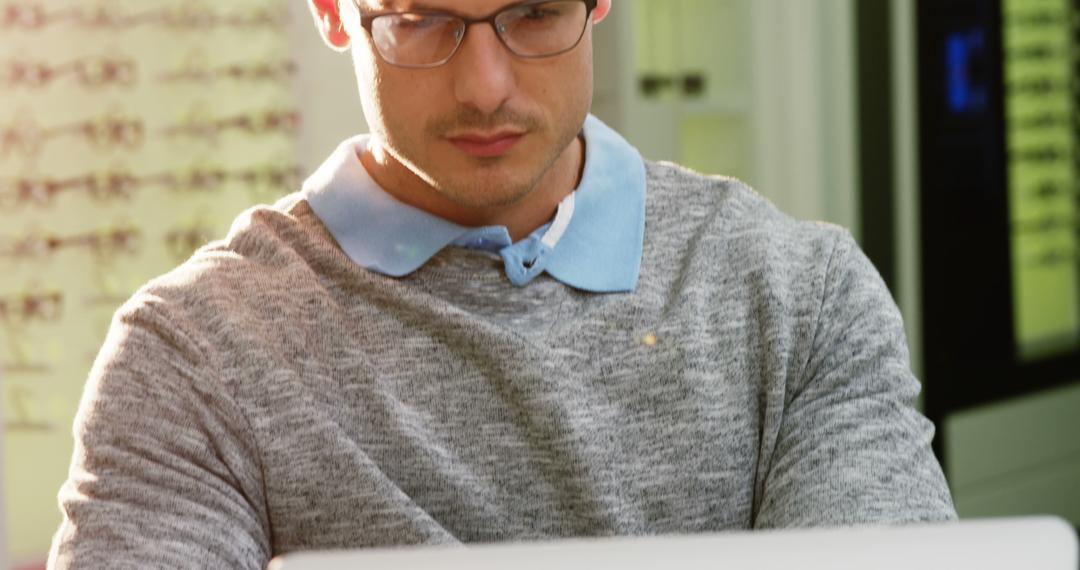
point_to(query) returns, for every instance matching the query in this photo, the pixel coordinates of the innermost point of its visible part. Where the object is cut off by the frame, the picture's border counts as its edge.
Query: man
(491, 320)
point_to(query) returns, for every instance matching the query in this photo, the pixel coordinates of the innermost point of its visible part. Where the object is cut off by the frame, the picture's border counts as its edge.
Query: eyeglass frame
(366, 20)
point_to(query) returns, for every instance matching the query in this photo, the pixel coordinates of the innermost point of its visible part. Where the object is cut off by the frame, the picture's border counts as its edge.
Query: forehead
(461, 6)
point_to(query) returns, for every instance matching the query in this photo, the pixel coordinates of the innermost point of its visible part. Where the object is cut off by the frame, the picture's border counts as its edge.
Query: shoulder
(235, 287)
(263, 240)
(735, 223)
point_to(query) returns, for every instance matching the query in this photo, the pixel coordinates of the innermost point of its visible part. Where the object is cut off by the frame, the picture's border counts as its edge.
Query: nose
(483, 73)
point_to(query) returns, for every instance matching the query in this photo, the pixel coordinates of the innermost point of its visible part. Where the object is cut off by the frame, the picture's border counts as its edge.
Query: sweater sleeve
(165, 473)
(852, 448)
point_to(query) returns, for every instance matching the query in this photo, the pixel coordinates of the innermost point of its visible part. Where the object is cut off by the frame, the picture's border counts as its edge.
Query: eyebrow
(402, 5)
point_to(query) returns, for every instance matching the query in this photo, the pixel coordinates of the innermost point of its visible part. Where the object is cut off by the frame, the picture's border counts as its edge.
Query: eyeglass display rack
(131, 133)
(999, 200)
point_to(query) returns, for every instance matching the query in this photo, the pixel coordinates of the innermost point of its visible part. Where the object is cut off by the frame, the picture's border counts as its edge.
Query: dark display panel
(998, 199)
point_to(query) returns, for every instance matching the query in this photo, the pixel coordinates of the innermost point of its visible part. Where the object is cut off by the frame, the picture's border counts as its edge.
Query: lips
(486, 145)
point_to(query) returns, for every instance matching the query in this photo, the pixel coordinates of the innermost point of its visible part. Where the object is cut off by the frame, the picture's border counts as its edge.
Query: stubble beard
(489, 184)
(496, 190)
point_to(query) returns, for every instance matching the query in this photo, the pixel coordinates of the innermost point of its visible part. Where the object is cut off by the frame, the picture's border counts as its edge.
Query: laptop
(1029, 544)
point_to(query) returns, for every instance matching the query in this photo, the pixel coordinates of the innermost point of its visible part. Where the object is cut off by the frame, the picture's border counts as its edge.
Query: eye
(410, 22)
(539, 17)
(541, 13)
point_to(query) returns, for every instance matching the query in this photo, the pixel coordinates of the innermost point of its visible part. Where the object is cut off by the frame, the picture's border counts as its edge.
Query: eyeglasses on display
(428, 38)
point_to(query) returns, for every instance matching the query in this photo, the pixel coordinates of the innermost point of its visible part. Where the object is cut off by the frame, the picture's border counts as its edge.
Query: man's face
(483, 129)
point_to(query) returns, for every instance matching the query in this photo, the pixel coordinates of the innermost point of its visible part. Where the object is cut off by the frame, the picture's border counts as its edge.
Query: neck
(520, 218)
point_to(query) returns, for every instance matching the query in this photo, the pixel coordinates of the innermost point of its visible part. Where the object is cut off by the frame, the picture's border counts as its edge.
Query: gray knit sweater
(271, 396)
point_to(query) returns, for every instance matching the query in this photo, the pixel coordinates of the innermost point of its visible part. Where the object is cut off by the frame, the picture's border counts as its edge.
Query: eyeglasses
(89, 72)
(200, 125)
(424, 39)
(32, 307)
(33, 16)
(107, 132)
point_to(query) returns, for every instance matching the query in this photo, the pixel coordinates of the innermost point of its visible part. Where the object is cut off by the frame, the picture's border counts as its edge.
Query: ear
(603, 7)
(327, 16)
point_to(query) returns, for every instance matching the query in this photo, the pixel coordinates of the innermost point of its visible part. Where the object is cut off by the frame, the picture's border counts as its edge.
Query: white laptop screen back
(1007, 544)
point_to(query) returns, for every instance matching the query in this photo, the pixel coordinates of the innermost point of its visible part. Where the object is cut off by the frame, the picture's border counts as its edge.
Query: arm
(165, 473)
(852, 449)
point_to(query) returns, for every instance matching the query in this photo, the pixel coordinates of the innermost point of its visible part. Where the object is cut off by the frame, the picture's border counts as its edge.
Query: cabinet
(762, 90)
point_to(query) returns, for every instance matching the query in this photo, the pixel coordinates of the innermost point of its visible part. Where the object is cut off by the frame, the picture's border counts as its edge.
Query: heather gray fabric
(270, 395)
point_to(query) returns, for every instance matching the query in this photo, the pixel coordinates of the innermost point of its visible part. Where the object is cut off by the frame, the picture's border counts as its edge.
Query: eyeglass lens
(530, 30)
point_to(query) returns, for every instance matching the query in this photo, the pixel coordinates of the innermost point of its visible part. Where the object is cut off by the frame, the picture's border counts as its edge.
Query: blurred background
(941, 132)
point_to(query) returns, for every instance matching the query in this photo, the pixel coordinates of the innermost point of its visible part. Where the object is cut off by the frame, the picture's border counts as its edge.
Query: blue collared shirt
(594, 242)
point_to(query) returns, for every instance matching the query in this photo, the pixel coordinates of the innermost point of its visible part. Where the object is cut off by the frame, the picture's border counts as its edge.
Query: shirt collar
(594, 243)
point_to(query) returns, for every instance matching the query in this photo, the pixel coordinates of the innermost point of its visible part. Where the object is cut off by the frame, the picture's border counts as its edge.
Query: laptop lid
(1032, 544)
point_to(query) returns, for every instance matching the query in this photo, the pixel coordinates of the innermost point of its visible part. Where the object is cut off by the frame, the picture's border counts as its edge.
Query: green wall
(1017, 457)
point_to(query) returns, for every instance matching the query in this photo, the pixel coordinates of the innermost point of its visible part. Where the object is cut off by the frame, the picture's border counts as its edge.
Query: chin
(487, 186)
(486, 192)
(480, 198)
